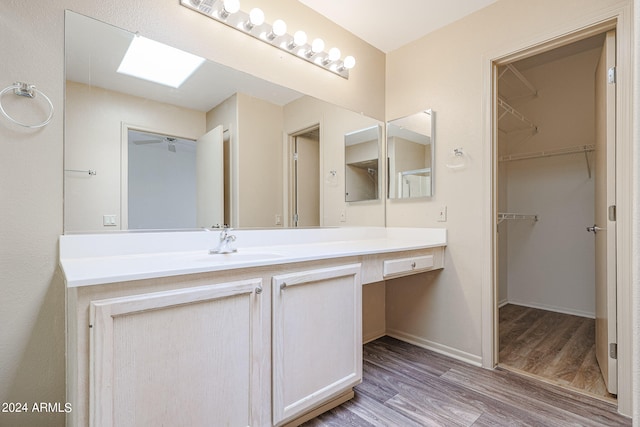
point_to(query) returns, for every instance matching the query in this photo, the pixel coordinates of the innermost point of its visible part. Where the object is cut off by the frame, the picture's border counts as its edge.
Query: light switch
(442, 214)
(108, 220)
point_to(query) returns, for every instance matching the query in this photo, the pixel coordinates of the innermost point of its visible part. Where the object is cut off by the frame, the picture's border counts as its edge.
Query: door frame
(125, 127)
(289, 172)
(620, 19)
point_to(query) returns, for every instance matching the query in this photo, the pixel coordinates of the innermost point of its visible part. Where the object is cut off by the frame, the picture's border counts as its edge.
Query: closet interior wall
(546, 257)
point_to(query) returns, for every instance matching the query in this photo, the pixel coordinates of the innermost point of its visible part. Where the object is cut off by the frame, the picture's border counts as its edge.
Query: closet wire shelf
(523, 122)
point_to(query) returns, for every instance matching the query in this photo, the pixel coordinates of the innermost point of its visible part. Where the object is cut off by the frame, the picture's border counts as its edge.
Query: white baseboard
(373, 336)
(502, 303)
(562, 310)
(438, 348)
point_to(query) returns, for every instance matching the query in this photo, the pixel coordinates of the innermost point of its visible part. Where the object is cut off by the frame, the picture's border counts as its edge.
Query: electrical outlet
(343, 216)
(278, 219)
(442, 214)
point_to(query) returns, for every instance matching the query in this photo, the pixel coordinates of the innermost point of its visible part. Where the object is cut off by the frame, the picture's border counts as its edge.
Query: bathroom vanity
(160, 332)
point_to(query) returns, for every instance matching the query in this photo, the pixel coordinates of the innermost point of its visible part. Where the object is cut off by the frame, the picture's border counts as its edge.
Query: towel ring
(456, 159)
(29, 91)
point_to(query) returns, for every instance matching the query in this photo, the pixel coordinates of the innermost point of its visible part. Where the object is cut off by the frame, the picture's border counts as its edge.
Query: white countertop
(93, 259)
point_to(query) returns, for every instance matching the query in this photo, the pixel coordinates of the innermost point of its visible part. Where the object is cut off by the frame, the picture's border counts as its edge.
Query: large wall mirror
(410, 154)
(218, 149)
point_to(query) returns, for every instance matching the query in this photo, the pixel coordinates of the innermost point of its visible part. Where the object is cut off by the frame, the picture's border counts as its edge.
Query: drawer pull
(412, 265)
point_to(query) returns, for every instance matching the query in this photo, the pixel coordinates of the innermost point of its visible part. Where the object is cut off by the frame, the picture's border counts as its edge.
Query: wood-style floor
(407, 386)
(556, 347)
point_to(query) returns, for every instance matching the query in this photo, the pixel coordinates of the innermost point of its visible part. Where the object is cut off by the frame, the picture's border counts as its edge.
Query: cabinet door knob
(258, 290)
(413, 264)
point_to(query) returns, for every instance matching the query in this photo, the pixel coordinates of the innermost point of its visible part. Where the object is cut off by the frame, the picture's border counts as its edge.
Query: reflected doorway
(304, 194)
(161, 184)
(170, 182)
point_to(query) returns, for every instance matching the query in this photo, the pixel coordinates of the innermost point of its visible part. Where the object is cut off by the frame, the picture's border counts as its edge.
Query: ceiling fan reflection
(171, 142)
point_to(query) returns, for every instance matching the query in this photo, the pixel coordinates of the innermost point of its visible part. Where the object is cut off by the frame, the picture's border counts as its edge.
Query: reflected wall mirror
(410, 154)
(362, 164)
(254, 116)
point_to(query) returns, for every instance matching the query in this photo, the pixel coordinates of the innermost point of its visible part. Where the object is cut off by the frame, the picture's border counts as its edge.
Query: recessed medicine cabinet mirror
(110, 179)
(362, 164)
(410, 154)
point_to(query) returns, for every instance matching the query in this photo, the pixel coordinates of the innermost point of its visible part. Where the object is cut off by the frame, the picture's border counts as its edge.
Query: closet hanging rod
(548, 153)
(516, 216)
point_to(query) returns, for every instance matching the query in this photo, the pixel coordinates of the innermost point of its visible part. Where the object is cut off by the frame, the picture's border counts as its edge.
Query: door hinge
(611, 75)
(295, 157)
(295, 218)
(612, 213)
(613, 350)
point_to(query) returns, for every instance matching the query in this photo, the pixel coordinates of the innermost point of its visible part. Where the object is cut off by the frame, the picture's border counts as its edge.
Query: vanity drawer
(403, 266)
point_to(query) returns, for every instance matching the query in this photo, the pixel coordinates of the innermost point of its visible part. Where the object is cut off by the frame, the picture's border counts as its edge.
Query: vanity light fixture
(253, 23)
(154, 61)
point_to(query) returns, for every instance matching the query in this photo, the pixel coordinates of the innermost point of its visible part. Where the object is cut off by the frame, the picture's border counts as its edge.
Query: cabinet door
(317, 338)
(187, 357)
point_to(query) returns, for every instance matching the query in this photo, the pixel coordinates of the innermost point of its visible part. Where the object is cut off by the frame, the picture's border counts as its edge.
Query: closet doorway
(555, 233)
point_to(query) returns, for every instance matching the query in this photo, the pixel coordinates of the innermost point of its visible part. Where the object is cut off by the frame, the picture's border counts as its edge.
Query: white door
(210, 179)
(305, 180)
(604, 228)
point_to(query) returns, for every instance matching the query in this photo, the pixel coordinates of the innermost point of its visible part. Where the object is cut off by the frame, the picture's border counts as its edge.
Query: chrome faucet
(224, 245)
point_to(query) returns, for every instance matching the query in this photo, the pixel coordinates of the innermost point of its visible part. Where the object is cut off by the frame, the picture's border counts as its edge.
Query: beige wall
(449, 71)
(32, 306)
(259, 162)
(93, 140)
(635, 296)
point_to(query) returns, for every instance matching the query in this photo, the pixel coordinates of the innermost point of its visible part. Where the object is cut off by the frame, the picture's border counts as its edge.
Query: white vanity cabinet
(317, 339)
(159, 332)
(179, 357)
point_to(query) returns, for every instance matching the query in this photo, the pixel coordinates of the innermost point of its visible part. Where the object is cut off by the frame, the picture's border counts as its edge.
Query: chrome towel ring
(29, 91)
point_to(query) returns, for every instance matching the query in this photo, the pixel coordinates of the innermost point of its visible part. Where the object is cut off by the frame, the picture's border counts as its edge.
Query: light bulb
(256, 16)
(334, 54)
(349, 62)
(300, 38)
(279, 27)
(231, 6)
(317, 46)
